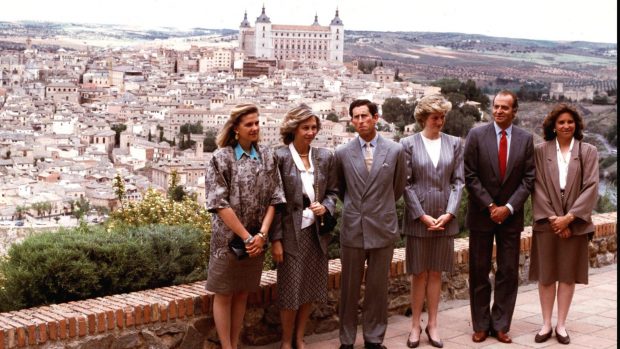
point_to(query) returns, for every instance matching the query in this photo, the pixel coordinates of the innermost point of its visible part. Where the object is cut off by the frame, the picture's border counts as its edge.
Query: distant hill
(427, 56)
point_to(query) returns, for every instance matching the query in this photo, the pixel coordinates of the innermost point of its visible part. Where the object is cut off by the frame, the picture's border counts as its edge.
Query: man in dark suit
(499, 176)
(371, 175)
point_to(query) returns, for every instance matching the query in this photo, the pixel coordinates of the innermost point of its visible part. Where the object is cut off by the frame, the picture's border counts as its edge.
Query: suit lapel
(378, 159)
(443, 155)
(317, 183)
(573, 165)
(515, 149)
(491, 144)
(295, 175)
(357, 161)
(554, 171)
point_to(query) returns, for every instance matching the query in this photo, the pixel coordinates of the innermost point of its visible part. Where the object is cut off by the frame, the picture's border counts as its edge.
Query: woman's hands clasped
(436, 224)
(255, 245)
(560, 225)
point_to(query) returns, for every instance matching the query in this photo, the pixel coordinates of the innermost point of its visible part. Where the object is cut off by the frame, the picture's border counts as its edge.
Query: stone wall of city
(181, 316)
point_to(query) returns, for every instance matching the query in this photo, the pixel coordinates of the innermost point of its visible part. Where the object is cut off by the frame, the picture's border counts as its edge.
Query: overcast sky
(591, 20)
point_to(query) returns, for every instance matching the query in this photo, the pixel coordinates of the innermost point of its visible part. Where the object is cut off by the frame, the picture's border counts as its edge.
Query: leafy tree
(118, 128)
(457, 123)
(332, 117)
(209, 143)
(119, 188)
(161, 133)
(398, 111)
(176, 192)
(447, 85)
(81, 207)
(20, 211)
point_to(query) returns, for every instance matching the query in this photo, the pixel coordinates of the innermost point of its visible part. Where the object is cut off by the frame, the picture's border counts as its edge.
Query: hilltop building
(292, 42)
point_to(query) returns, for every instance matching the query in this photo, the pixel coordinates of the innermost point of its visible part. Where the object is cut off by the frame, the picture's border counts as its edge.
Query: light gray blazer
(432, 191)
(286, 225)
(369, 214)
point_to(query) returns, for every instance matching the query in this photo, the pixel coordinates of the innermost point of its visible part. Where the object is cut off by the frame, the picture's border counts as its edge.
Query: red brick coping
(67, 321)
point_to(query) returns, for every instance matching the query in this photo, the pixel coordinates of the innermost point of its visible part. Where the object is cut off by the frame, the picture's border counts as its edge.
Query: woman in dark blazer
(565, 193)
(432, 196)
(301, 253)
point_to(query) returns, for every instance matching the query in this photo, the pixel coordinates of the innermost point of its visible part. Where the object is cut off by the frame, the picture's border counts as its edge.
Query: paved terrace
(592, 321)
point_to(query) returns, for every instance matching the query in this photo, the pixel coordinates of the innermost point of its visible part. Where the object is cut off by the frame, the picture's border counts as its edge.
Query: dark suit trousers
(374, 312)
(499, 316)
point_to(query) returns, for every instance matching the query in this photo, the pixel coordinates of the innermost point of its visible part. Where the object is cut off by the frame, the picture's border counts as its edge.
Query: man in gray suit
(371, 174)
(499, 176)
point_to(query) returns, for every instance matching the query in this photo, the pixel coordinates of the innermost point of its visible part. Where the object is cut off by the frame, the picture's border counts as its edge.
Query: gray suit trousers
(374, 311)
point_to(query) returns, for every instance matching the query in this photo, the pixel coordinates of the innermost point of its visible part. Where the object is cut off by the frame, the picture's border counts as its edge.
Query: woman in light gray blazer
(301, 253)
(434, 185)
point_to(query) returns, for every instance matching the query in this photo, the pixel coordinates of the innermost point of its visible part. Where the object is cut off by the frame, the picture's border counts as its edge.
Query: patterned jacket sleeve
(217, 184)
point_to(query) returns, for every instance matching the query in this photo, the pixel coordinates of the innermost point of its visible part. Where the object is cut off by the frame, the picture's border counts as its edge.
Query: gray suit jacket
(580, 192)
(432, 190)
(482, 177)
(286, 225)
(369, 215)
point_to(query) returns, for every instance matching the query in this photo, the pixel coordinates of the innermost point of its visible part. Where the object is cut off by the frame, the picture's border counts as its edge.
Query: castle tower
(316, 20)
(336, 50)
(244, 41)
(262, 35)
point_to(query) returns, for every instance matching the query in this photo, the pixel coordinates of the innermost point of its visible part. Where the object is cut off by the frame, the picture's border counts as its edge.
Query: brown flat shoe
(541, 338)
(479, 336)
(562, 339)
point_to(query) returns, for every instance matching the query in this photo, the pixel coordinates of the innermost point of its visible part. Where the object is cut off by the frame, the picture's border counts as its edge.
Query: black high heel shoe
(436, 344)
(415, 344)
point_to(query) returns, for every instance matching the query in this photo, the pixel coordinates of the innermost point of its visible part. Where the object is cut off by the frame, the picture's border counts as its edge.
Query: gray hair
(226, 136)
(431, 104)
(293, 118)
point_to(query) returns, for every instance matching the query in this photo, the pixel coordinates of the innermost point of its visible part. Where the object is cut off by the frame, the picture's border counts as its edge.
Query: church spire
(336, 20)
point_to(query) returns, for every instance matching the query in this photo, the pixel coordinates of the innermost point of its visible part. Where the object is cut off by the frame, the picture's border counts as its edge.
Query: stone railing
(181, 316)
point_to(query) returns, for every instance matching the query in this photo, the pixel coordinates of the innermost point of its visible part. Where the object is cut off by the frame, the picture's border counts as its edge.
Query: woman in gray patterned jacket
(243, 186)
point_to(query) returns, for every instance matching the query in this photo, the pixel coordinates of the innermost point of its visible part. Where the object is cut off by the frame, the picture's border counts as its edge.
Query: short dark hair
(515, 100)
(372, 107)
(554, 114)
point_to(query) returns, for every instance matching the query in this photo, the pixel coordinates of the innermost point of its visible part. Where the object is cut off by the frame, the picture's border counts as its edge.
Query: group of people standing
(284, 196)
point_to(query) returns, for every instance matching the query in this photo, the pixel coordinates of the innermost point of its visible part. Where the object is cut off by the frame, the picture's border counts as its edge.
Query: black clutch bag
(327, 223)
(237, 246)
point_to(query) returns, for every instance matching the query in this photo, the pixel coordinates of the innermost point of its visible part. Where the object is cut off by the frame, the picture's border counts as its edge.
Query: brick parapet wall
(181, 316)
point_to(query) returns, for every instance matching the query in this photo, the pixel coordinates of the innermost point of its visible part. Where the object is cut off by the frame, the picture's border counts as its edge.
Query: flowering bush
(155, 208)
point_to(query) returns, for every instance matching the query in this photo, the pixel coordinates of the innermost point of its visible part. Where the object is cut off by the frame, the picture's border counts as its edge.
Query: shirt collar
(239, 152)
(570, 148)
(373, 142)
(499, 129)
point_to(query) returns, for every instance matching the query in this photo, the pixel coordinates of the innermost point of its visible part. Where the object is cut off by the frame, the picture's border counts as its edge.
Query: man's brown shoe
(479, 336)
(503, 337)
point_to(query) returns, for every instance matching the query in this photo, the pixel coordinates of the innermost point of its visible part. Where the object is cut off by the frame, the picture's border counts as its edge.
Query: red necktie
(502, 155)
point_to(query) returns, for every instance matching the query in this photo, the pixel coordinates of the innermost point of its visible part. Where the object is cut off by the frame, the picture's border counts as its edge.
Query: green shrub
(85, 262)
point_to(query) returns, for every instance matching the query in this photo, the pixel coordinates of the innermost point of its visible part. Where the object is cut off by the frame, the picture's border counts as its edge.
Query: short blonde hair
(431, 104)
(293, 119)
(226, 136)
